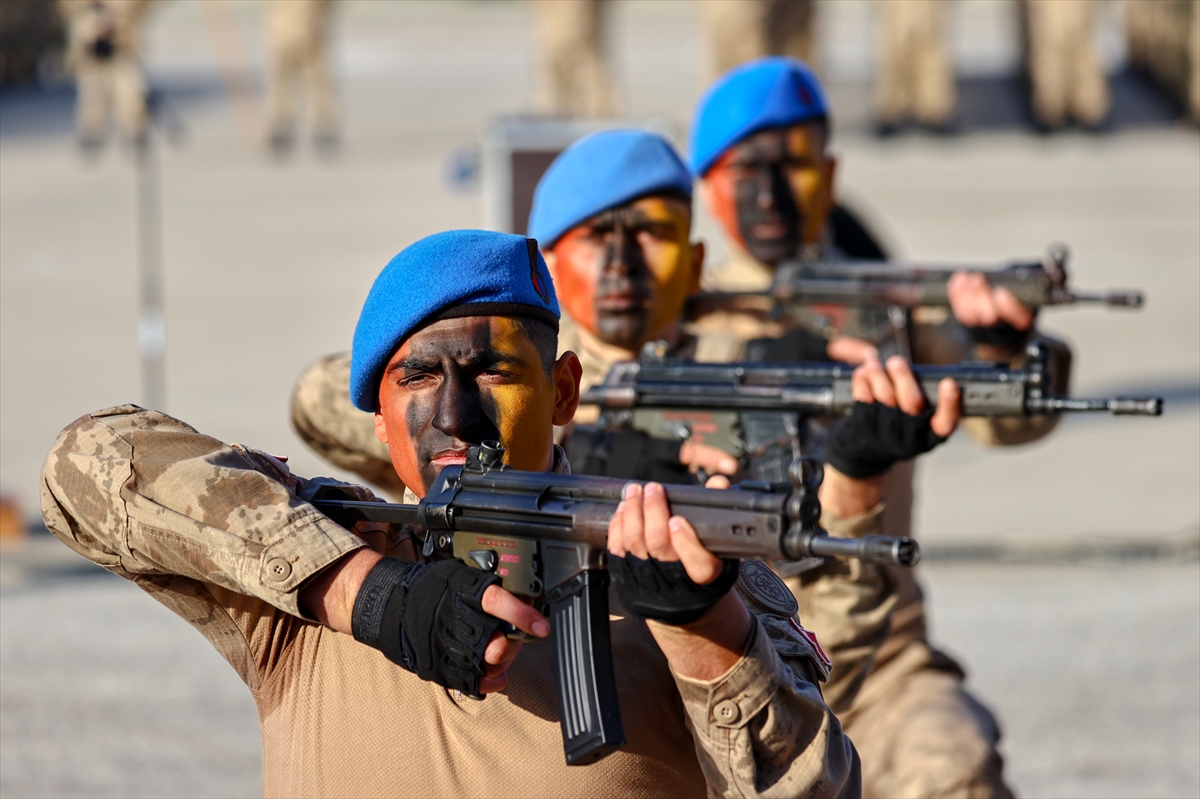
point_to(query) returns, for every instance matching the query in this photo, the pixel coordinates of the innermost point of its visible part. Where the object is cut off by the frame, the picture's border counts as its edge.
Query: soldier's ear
(698, 253)
(831, 163)
(566, 374)
(380, 427)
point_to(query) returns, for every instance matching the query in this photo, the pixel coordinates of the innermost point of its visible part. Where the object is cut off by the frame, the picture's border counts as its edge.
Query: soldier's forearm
(329, 597)
(846, 497)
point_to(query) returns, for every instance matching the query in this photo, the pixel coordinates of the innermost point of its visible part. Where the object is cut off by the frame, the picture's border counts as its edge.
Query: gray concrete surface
(267, 264)
(1092, 669)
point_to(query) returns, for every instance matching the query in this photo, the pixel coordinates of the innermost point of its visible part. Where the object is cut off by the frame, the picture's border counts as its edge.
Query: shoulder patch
(765, 589)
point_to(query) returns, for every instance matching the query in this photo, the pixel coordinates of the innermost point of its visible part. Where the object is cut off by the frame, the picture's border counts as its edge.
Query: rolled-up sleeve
(763, 729)
(141, 494)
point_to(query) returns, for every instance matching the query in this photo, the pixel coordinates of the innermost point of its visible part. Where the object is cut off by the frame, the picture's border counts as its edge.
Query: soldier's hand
(890, 422)
(976, 304)
(895, 386)
(501, 651)
(663, 573)
(710, 459)
(847, 349)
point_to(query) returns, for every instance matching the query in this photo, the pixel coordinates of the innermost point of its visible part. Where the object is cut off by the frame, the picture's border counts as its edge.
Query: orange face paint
(772, 191)
(456, 383)
(625, 273)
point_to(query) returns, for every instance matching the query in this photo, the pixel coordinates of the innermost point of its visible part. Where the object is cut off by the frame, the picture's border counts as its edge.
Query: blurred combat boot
(915, 80)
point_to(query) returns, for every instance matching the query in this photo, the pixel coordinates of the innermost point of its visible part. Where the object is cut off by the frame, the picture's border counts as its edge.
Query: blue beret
(601, 171)
(456, 273)
(767, 93)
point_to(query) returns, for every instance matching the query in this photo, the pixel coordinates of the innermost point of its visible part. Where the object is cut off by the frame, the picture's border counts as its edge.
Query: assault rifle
(748, 408)
(546, 536)
(857, 283)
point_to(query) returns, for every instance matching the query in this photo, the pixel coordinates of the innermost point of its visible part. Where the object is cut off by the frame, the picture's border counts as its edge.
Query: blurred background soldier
(742, 30)
(1065, 76)
(102, 52)
(915, 79)
(1164, 41)
(298, 49)
(574, 75)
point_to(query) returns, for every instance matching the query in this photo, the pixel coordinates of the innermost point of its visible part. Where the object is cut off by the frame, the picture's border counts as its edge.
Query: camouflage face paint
(771, 191)
(625, 273)
(457, 383)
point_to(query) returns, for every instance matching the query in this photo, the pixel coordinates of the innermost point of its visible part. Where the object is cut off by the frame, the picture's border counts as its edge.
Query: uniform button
(278, 570)
(726, 712)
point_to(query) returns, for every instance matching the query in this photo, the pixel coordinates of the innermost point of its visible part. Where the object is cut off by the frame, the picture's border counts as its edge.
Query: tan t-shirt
(219, 534)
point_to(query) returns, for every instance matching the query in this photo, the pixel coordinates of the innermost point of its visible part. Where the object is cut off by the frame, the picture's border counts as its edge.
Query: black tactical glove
(661, 590)
(1001, 334)
(428, 618)
(875, 436)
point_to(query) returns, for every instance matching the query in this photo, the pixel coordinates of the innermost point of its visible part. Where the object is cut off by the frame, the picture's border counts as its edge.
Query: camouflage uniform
(918, 731)
(102, 52)
(574, 75)
(298, 52)
(221, 535)
(915, 76)
(743, 30)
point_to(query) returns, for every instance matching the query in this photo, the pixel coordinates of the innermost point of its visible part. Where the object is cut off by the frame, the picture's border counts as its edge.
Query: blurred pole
(152, 339)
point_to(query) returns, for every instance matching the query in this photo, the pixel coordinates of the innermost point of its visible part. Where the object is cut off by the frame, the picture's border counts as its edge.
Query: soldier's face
(624, 274)
(772, 191)
(459, 382)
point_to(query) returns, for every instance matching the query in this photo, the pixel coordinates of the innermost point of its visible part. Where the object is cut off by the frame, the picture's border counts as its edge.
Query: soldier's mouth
(449, 457)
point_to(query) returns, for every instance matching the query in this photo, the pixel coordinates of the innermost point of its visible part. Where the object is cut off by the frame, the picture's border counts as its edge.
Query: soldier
(743, 30)
(760, 146)
(627, 187)
(298, 52)
(575, 79)
(915, 78)
(102, 52)
(1065, 76)
(455, 345)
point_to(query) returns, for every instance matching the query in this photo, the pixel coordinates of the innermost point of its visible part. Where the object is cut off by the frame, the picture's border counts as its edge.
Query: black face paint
(625, 289)
(769, 219)
(456, 414)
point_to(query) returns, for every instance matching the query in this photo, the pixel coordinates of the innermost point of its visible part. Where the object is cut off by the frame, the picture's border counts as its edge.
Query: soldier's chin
(772, 251)
(624, 329)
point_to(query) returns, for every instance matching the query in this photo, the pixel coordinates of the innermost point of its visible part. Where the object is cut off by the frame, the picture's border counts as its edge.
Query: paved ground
(267, 264)
(1093, 670)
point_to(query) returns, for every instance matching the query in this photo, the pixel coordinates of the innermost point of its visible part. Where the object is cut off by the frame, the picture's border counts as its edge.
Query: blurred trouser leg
(735, 31)
(282, 85)
(321, 95)
(129, 97)
(93, 95)
(1065, 75)
(915, 78)
(919, 734)
(1193, 94)
(574, 78)
(743, 30)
